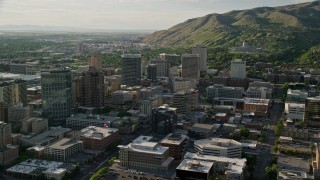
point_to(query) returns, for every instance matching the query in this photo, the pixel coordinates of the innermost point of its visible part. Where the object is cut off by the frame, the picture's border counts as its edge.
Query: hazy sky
(119, 14)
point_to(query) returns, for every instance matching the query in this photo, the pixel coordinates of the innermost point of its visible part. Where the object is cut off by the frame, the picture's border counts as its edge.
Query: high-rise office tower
(92, 88)
(312, 111)
(131, 69)
(95, 60)
(173, 59)
(184, 101)
(162, 66)
(5, 134)
(190, 66)
(164, 120)
(152, 72)
(238, 69)
(56, 96)
(13, 92)
(4, 114)
(203, 53)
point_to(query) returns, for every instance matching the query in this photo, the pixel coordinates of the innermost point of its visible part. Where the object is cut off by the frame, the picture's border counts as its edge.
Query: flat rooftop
(142, 144)
(141, 139)
(289, 174)
(297, 92)
(19, 76)
(64, 143)
(218, 143)
(35, 166)
(316, 99)
(37, 148)
(93, 118)
(292, 163)
(203, 126)
(296, 105)
(195, 166)
(257, 101)
(97, 132)
(235, 165)
(174, 139)
(53, 132)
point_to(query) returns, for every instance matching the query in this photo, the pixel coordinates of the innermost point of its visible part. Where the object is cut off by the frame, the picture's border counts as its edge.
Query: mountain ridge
(257, 26)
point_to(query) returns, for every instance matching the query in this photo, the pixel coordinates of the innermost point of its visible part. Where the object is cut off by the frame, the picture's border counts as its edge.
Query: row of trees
(271, 171)
(103, 170)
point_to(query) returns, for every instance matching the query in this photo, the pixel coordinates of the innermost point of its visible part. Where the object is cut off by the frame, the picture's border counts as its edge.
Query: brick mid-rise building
(99, 138)
(177, 145)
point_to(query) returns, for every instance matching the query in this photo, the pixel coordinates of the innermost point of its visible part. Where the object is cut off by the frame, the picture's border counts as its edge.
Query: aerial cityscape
(232, 94)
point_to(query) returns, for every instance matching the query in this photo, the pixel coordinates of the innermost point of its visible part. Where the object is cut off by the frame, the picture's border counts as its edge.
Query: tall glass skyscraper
(131, 69)
(56, 96)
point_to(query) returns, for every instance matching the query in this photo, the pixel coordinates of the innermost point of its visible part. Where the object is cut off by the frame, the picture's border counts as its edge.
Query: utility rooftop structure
(233, 167)
(97, 132)
(34, 167)
(194, 169)
(194, 165)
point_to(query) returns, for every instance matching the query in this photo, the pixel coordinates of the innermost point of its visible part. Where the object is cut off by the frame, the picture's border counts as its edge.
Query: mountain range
(270, 28)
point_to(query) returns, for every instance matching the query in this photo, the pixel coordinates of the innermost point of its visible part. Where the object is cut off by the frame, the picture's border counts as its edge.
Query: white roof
(97, 132)
(235, 165)
(30, 165)
(142, 144)
(174, 139)
(55, 171)
(256, 101)
(195, 166)
(217, 143)
(19, 76)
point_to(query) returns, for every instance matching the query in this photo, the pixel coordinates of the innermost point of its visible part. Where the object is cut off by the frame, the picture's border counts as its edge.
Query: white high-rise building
(203, 53)
(238, 69)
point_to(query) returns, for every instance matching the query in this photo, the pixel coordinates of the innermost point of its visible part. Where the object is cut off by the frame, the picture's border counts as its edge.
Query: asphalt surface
(88, 170)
